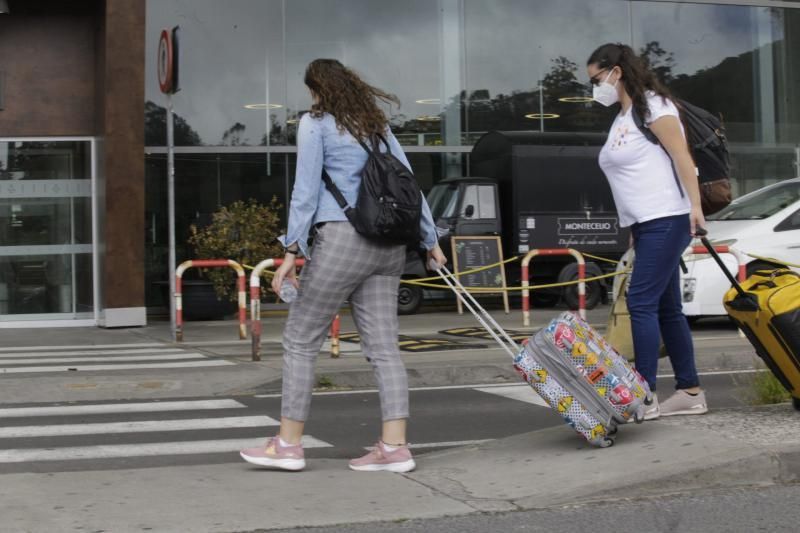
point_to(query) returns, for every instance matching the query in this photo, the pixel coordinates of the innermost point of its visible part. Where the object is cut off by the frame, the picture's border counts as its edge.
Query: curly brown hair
(351, 101)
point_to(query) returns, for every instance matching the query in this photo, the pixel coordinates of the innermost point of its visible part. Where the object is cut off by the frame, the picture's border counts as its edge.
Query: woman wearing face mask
(342, 265)
(657, 194)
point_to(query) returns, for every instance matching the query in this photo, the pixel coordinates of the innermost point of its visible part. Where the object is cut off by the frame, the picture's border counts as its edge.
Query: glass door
(46, 225)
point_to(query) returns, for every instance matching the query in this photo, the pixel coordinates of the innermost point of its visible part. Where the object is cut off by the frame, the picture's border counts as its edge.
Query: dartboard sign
(165, 63)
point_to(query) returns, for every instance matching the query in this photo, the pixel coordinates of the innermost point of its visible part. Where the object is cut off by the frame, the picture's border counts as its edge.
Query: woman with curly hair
(656, 192)
(342, 265)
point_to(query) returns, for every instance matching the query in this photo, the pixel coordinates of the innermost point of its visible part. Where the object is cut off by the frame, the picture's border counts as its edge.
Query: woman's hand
(436, 255)
(287, 270)
(696, 220)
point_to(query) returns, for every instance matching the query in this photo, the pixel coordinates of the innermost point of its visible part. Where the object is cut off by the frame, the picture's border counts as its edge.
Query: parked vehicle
(535, 190)
(765, 223)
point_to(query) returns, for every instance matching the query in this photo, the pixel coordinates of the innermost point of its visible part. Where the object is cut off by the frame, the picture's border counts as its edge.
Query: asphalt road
(191, 431)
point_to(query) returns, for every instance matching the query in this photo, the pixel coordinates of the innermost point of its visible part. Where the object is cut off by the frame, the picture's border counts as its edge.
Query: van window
(481, 197)
(442, 200)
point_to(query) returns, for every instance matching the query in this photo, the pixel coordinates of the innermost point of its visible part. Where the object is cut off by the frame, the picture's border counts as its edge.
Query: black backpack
(389, 204)
(705, 135)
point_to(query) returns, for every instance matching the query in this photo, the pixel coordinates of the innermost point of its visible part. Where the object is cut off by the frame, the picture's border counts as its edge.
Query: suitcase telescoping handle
(744, 301)
(484, 318)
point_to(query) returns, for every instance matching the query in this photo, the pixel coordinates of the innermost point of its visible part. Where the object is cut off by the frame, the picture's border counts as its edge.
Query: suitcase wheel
(606, 443)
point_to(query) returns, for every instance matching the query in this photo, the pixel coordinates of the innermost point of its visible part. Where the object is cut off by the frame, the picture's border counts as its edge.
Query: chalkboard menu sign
(470, 253)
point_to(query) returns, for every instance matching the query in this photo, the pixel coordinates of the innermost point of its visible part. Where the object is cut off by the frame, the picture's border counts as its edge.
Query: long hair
(351, 101)
(636, 74)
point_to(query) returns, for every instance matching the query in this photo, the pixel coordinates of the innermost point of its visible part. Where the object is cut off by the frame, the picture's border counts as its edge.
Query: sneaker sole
(698, 411)
(292, 465)
(401, 467)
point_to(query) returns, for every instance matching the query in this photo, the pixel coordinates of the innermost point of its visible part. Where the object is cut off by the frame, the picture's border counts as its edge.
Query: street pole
(541, 107)
(797, 161)
(171, 213)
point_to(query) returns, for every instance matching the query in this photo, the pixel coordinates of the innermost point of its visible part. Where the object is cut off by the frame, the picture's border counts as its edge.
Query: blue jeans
(654, 299)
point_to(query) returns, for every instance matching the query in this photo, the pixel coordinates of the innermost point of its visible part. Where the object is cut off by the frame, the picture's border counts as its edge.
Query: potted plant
(243, 231)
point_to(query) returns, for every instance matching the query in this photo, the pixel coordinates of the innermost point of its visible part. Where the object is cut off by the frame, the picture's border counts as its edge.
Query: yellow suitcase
(769, 315)
(766, 306)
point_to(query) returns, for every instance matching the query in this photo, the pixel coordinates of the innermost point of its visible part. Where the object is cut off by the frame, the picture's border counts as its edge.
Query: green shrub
(243, 231)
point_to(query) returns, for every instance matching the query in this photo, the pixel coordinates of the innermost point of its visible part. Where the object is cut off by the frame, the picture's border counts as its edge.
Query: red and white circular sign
(164, 63)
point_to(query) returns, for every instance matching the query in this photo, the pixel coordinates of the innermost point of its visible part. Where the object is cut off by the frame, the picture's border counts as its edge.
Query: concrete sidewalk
(536, 470)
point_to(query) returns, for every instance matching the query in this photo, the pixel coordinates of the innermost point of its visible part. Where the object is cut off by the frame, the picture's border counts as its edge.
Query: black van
(535, 190)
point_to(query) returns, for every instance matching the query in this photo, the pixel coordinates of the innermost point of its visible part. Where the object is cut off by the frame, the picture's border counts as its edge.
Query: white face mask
(605, 93)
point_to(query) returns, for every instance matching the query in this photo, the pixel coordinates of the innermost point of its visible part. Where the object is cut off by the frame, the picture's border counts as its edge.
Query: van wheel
(409, 299)
(594, 292)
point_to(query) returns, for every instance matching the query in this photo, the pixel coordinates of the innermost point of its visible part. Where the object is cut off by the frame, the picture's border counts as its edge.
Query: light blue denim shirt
(320, 143)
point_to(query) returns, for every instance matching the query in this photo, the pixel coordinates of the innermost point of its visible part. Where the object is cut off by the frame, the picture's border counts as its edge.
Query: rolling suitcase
(573, 369)
(766, 307)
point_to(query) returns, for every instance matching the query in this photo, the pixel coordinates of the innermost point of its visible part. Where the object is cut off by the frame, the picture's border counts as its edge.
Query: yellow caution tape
(505, 289)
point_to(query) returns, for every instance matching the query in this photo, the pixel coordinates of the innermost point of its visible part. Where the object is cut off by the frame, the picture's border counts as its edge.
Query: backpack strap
(337, 194)
(650, 136)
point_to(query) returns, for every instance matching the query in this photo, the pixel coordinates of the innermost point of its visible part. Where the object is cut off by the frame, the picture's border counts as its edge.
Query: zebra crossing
(33, 436)
(104, 357)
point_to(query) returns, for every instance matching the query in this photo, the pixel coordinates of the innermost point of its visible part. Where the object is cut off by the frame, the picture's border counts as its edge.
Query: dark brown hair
(351, 101)
(636, 74)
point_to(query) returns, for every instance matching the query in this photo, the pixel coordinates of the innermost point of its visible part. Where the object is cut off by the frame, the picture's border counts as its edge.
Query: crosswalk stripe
(87, 353)
(112, 451)
(27, 369)
(123, 358)
(117, 408)
(146, 426)
(515, 392)
(82, 347)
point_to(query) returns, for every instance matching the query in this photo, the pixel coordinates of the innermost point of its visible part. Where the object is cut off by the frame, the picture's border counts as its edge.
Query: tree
(233, 135)
(155, 127)
(659, 60)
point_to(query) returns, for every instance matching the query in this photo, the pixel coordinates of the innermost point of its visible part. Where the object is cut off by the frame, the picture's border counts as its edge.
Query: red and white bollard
(210, 263)
(255, 309)
(526, 305)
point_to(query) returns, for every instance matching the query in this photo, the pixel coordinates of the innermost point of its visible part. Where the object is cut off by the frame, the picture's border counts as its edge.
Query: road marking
(115, 451)
(88, 353)
(89, 368)
(115, 408)
(126, 358)
(515, 392)
(83, 347)
(147, 426)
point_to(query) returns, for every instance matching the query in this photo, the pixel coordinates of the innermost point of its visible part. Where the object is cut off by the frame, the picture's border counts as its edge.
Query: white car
(763, 223)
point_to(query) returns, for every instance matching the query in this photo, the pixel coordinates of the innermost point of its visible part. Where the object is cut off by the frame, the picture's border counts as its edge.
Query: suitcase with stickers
(573, 368)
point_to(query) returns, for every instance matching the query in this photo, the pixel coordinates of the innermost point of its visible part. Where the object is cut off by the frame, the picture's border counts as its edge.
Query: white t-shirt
(640, 172)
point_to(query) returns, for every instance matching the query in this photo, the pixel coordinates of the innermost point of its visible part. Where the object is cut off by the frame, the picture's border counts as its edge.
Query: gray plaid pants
(345, 265)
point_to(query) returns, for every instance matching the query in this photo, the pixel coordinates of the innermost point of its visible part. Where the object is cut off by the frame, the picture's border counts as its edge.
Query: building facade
(460, 68)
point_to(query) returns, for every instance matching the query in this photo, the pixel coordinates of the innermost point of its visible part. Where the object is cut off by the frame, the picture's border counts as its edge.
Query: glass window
(482, 200)
(45, 229)
(737, 61)
(525, 63)
(442, 200)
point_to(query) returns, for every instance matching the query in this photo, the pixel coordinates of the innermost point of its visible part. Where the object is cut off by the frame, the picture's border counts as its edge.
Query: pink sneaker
(380, 458)
(277, 456)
